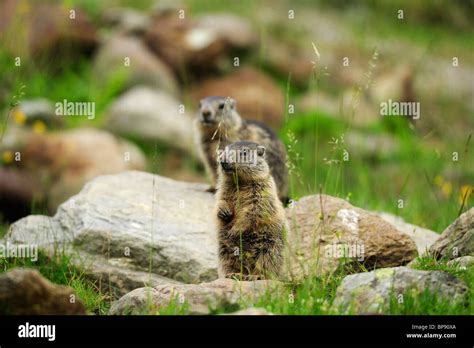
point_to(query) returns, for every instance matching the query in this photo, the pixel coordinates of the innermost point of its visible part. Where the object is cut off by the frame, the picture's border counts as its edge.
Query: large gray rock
(154, 115)
(129, 58)
(457, 239)
(199, 298)
(133, 229)
(423, 237)
(369, 293)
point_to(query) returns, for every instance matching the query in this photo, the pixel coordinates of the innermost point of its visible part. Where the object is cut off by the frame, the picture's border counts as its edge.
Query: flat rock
(423, 237)
(25, 291)
(457, 239)
(369, 293)
(154, 115)
(131, 228)
(324, 229)
(200, 298)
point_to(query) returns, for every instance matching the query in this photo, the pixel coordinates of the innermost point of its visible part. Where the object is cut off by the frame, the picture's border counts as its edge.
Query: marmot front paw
(244, 277)
(224, 214)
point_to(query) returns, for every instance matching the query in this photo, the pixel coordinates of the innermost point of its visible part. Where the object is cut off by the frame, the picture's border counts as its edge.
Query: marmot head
(244, 159)
(217, 110)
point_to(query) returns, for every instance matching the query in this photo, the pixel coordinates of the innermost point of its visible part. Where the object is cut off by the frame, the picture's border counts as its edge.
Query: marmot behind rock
(250, 217)
(219, 124)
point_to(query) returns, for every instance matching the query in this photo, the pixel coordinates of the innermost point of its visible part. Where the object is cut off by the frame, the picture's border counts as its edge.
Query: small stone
(26, 292)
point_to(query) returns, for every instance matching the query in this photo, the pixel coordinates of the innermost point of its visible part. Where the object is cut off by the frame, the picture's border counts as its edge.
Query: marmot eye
(221, 106)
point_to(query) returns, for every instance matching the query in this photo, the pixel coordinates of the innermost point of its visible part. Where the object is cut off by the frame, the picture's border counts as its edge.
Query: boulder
(126, 20)
(45, 30)
(258, 96)
(129, 58)
(235, 31)
(198, 298)
(463, 262)
(154, 115)
(370, 292)
(132, 229)
(423, 237)
(198, 46)
(60, 163)
(25, 291)
(457, 239)
(325, 231)
(65, 161)
(184, 46)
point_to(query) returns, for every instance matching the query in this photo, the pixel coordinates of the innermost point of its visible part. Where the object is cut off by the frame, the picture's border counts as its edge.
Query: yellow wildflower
(7, 157)
(465, 193)
(438, 180)
(19, 116)
(39, 126)
(446, 189)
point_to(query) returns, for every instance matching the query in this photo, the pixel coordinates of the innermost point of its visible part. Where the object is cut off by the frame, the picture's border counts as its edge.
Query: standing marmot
(219, 124)
(250, 217)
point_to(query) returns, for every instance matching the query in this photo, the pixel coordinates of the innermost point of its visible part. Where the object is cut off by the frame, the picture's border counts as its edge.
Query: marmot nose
(226, 166)
(206, 114)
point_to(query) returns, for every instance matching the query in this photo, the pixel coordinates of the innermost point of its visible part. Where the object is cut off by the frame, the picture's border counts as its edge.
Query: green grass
(315, 296)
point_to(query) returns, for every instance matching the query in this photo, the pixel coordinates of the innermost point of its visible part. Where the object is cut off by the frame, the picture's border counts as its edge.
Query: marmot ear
(260, 150)
(232, 103)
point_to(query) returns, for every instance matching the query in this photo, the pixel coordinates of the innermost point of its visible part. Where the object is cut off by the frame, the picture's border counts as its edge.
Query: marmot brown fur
(219, 124)
(250, 217)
